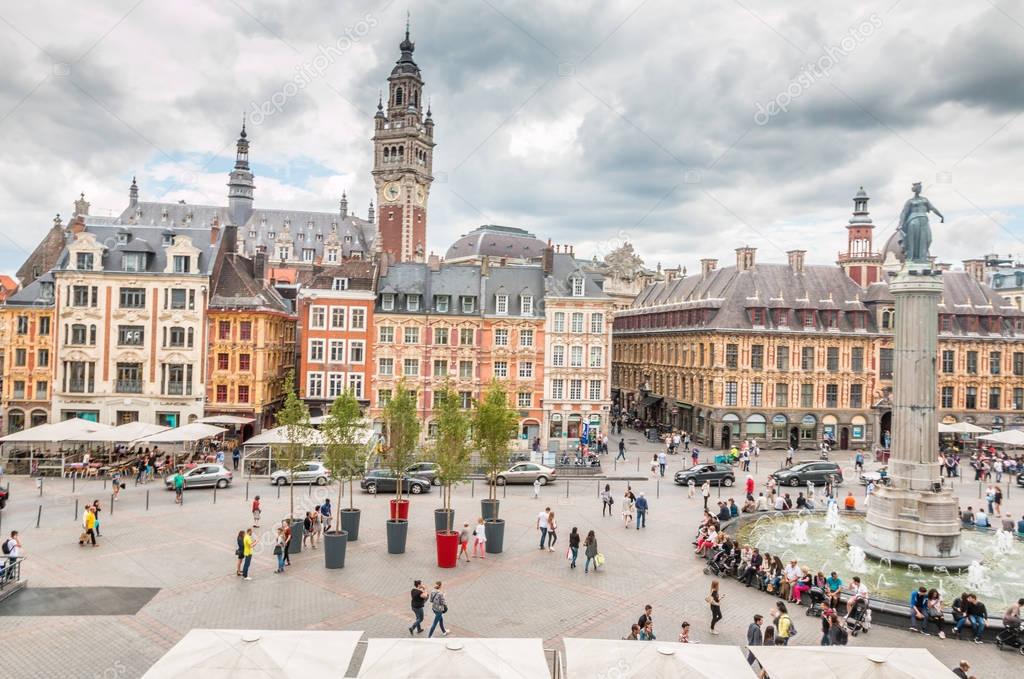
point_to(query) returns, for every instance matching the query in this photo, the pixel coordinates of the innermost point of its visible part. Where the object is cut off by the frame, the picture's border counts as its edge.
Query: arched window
(387, 154)
(15, 421)
(92, 335)
(399, 96)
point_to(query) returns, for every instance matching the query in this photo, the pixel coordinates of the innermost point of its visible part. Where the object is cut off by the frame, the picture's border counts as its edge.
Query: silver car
(304, 472)
(204, 475)
(526, 472)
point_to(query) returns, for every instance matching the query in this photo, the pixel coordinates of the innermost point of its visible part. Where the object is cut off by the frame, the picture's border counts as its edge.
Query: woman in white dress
(627, 509)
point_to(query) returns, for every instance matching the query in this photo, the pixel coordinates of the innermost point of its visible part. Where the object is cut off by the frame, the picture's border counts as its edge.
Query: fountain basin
(962, 560)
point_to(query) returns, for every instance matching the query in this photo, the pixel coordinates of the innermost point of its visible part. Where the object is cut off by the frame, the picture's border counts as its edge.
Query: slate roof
(359, 273)
(495, 241)
(151, 238)
(235, 287)
(38, 293)
(516, 282)
(564, 267)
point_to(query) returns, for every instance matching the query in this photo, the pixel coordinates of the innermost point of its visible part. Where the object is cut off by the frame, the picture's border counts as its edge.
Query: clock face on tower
(392, 191)
(421, 195)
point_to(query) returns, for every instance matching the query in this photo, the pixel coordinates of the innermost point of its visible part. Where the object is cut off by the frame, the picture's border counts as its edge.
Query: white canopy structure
(848, 662)
(196, 431)
(588, 658)
(1010, 437)
(257, 654)
(124, 433)
(67, 430)
(279, 435)
(226, 419)
(454, 659)
(961, 428)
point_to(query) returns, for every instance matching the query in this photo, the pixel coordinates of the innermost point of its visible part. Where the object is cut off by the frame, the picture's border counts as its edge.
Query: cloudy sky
(688, 129)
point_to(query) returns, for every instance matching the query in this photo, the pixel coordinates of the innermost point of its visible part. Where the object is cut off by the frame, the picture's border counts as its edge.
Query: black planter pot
(335, 545)
(350, 523)
(494, 530)
(295, 546)
(489, 509)
(398, 531)
(441, 521)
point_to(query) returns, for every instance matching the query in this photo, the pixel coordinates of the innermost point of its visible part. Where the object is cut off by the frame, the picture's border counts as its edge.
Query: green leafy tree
(494, 425)
(403, 433)
(344, 453)
(294, 417)
(452, 446)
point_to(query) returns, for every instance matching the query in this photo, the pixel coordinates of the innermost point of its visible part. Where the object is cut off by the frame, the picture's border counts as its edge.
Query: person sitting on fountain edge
(833, 585)
(857, 592)
(967, 517)
(981, 518)
(851, 502)
(975, 614)
(1020, 527)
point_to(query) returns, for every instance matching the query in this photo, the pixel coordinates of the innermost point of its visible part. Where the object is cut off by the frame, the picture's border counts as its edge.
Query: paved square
(188, 552)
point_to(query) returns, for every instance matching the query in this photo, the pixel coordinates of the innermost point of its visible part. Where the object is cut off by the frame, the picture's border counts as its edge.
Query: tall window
(731, 355)
(595, 390)
(730, 393)
(356, 352)
(757, 356)
(947, 397)
(857, 359)
(441, 336)
(411, 367)
(972, 362)
(129, 378)
(224, 330)
(338, 317)
(243, 393)
(501, 337)
(577, 322)
(335, 384)
(524, 399)
(575, 390)
(383, 396)
(83, 261)
(245, 331)
(756, 394)
(832, 359)
(807, 395)
(781, 395)
(526, 338)
(80, 295)
(182, 264)
(971, 400)
(43, 358)
(596, 357)
(22, 325)
(441, 303)
(386, 334)
(557, 389)
(44, 325)
(358, 319)
(412, 302)
(386, 366)
(807, 358)
(501, 304)
(387, 301)
(336, 351)
(525, 370)
(526, 305)
(467, 337)
(885, 364)
(440, 367)
(577, 286)
(558, 356)
(948, 360)
(244, 363)
(318, 318)
(133, 298)
(782, 358)
(355, 384)
(1018, 398)
(316, 350)
(559, 322)
(576, 357)
(501, 369)
(465, 370)
(856, 395)
(995, 362)
(315, 385)
(994, 398)
(596, 323)
(468, 304)
(411, 336)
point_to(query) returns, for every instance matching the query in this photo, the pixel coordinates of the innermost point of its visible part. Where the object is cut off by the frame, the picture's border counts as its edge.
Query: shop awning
(856, 662)
(588, 658)
(650, 401)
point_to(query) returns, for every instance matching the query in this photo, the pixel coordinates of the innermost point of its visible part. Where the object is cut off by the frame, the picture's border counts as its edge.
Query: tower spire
(133, 193)
(240, 181)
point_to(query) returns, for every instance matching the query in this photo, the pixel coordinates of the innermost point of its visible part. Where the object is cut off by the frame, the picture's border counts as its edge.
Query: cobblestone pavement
(187, 551)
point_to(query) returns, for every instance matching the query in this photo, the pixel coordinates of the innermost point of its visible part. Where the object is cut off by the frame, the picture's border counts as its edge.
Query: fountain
(857, 559)
(799, 534)
(1004, 541)
(977, 575)
(832, 516)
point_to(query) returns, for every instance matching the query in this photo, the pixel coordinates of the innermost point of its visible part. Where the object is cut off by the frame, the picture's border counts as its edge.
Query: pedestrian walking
(419, 598)
(536, 489)
(235, 457)
(785, 625)
(641, 512)
(654, 465)
(88, 527)
(307, 529)
(622, 450)
(714, 600)
(286, 525)
(239, 552)
(318, 526)
(439, 606)
(96, 510)
(627, 509)
(279, 549)
(256, 511)
(463, 542)
(691, 488)
(326, 514)
(248, 542)
(115, 479)
(12, 548)
(750, 487)
(179, 486)
(542, 525)
(694, 456)
(606, 500)
(590, 551)
(705, 491)
(480, 539)
(574, 546)
(662, 463)
(552, 532)
(754, 635)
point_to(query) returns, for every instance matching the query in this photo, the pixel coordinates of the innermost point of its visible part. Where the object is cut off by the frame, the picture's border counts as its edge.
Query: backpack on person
(7, 549)
(842, 636)
(436, 603)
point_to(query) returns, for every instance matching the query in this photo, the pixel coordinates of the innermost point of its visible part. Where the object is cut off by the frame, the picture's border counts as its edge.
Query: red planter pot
(447, 549)
(399, 510)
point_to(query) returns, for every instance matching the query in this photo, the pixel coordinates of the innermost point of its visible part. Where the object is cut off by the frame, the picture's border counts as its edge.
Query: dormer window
(577, 286)
(339, 284)
(319, 237)
(468, 305)
(122, 238)
(252, 234)
(46, 290)
(332, 254)
(526, 305)
(168, 239)
(133, 261)
(182, 264)
(308, 254)
(83, 261)
(441, 302)
(387, 301)
(302, 236)
(283, 252)
(412, 302)
(501, 304)
(271, 235)
(348, 238)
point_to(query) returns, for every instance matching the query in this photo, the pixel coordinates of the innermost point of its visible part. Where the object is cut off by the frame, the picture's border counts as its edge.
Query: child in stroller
(859, 619)
(817, 597)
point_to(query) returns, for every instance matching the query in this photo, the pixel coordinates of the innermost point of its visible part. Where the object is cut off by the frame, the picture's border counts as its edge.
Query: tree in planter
(294, 417)
(452, 446)
(403, 432)
(494, 424)
(344, 455)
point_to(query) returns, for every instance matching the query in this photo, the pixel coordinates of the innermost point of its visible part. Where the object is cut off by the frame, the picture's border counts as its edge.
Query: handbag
(278, 551)
(599, 559)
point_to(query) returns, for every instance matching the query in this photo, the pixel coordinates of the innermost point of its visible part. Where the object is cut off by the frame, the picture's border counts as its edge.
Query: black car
(384, 481)
(717, 474)
(817, 472)
(424, 470)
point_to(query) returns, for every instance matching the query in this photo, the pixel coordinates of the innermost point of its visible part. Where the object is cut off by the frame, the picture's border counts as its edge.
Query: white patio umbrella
(124, 433)
(589, 658)
(54, 432)
(196, 431)
(257, 654)
(962, 428)
(1010, 437)
(848, 662)
(454, 659)
(226, 419)
(279, 435)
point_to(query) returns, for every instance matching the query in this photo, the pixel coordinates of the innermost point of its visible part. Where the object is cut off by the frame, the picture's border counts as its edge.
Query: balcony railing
(175, 388)
(76, 386)
(128, 386)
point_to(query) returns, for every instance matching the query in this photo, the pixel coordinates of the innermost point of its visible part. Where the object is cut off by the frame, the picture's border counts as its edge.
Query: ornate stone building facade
(27, 360)
(787, 353)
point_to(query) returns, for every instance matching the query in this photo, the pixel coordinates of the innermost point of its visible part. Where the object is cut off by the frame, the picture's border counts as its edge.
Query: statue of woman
(915, 234)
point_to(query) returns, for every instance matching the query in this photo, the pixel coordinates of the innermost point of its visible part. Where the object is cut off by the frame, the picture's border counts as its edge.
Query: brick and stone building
(27, 359)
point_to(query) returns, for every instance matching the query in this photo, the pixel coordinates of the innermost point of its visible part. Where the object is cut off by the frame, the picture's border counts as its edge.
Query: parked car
(5, 493)
(717, 474)
(526, 472)
(208, 475)
(424, 470)
(304, 472)
(817, 472)
(880, 477)
(382, 480)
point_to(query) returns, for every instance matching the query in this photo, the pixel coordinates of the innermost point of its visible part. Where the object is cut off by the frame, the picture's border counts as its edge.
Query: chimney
(259, 265)
(434, 262)
(707, 266)
(485, 266)
(548, 259)
(229, 241)
(215, 232)
(975, 268)
(942, 266)
(796, 260)
(745, 258)
(77, 224)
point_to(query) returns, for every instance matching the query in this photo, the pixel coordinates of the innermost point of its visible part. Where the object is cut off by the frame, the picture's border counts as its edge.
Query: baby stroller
(817, 596)
(716, 563)
(1011, 637)
(859, 619)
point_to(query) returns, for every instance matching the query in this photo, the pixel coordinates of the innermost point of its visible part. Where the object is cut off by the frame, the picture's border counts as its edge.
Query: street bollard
(215, 495)
(599, 488)
(472, 488)
(39, 516)
(39, 482)
(719, 490)
(658, 487)
(567, 487)
(615, 464)
(979, 490)
(76, 509)
(504, 491)
(310, 493)
(278, 490)
(247, 490)
(111, 504)
(104, 483)
(638, 463)
(147, 500)
(73, 478)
